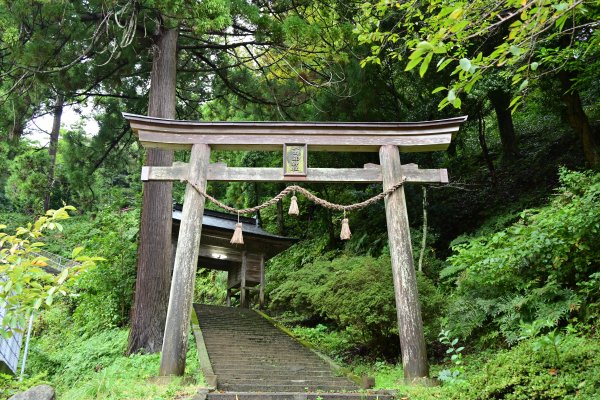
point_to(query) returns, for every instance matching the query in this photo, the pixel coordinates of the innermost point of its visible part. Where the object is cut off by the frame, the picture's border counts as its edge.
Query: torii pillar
(408, 308)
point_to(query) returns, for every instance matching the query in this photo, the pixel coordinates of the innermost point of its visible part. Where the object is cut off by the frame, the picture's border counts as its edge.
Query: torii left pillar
(175, 340)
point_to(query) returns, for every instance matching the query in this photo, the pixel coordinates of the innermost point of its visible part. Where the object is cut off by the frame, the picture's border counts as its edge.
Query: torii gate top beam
(319, 136)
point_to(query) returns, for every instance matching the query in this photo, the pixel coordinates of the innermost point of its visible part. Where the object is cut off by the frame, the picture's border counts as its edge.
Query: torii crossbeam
(295, 139)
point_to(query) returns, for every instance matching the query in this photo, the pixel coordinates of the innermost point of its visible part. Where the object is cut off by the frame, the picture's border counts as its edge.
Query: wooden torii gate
(295, 139)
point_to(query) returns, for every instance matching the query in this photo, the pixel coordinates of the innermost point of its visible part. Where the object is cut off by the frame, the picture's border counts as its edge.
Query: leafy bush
(28, 180)
(94, 367)
(105, 293)
(538, 268)
(522, 373)
(25, 286)
(210, 287)
(355, 293)
(334, 343)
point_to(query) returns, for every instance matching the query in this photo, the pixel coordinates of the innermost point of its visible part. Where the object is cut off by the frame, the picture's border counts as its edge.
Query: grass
(95, 367)
(131, 378)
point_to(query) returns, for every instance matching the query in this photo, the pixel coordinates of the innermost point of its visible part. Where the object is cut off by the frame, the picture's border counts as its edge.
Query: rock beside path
(41, 392)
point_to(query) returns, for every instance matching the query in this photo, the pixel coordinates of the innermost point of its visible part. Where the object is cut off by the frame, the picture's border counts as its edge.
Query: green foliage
(452, 375)
(28, 180)
(210, 287)
(520, 373)
(332, 342)
(473, 39)
(93, 367)
(523, 373)
(538, 268)
(26, 286)
(104, 294)
(356, 293)
(11, 385)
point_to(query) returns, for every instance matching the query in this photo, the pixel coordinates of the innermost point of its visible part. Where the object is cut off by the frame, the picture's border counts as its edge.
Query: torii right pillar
(408, 308)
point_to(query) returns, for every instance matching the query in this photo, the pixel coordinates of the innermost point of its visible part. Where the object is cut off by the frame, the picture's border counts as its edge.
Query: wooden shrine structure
(295, 139)
(244, 264)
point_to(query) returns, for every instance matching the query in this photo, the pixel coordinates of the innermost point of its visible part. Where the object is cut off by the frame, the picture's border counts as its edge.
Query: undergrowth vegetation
(543, 267)
(78, 344)
(94, 366)
(517, 305)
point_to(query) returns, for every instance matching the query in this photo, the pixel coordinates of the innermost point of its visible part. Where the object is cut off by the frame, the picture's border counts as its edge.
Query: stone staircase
(252, 359)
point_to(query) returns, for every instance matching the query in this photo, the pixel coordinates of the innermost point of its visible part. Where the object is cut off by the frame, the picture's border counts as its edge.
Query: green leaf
(76, 251)
(465, 64)
(38, 303)
(424, 46)
(460, 26)
(63, 276)
(438, 89)
(523, 85)
(425, 64)
(560, 22)
(560, 7)
(451, 95)
(514, 101)
(515, 50)
(534, 65)
(443, 64)
(413, 63)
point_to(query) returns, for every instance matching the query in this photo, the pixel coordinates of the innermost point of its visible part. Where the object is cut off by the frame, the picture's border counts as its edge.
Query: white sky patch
(38, 129)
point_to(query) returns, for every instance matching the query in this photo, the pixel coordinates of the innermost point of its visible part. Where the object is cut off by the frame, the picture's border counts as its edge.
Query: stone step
(298, 396)
(249, 354)
(257, 348)
(319, 383)
(241, 364)
(248, 359)
(289, 387)
(227, 375)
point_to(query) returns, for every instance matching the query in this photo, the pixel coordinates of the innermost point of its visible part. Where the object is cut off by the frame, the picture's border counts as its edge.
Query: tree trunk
(484, 148)
(280, 223)
(53, 146)
(579, 121)
(15, 130)
(424, 237)
(500, 100)
(154, 254)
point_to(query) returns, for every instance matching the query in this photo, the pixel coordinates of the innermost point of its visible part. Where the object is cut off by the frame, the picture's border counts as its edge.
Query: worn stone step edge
(294, 396)
(249, 373)
(289, 379)
(257, 363)
(284, 388)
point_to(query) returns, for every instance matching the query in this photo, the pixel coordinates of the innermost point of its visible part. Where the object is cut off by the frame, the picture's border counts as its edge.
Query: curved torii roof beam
(319, 136)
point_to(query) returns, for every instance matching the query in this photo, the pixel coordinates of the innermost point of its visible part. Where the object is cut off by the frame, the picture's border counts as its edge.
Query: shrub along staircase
(253, 359)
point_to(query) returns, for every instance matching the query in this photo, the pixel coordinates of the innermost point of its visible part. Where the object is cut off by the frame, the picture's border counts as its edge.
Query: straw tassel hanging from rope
(345, 234)
(294, 206)
(237, 237)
